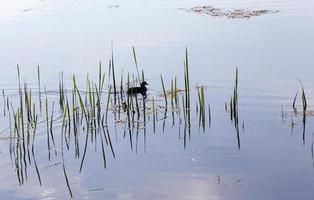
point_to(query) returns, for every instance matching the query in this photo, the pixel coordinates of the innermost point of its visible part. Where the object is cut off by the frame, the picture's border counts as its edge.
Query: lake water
(275, 161)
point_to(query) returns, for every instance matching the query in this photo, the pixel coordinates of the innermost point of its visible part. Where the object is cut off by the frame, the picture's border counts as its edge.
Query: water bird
(138, 90)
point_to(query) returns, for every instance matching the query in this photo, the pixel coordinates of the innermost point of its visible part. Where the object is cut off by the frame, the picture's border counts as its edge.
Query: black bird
(138, 90)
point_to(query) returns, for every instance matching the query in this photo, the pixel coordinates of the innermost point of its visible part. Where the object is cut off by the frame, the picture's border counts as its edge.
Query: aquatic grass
(4, 103)
(75, 123)
(199, 103)
(68, 118)
(121, 87)
(107, 105)
(172, 94)
(33, 154)
(201, 98)
(135, 60)
(98, 107)
(10, 140)
(137, 107)
(312, 150)
(128, 96)
(231, 109)
(187, 87)
(304, 107)
(144, 118)
(209, 116)
(202, 104)
(137, 135)
(63, 126)
(143, 76)
(63, 167)
(28, 109)
(82, 106)
(234, 101)
(294, 101)
(29, 106)
(175, 91)
(304, 101)
(61, 91)
(95, 111)
(113, 75)
(51, 127)
(110, 143)
(21, 119)
(33, 146)
(172, 101)
(101, 79)
(234, 108)
(164, 91)
(183, 108)
(103, 152)
(154, 115)
(166, 103)
(39, 88)
(128, 109)
(47, 124)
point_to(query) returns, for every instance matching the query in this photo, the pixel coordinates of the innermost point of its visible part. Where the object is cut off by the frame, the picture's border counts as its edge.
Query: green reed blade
(135, 60)
(164, 90)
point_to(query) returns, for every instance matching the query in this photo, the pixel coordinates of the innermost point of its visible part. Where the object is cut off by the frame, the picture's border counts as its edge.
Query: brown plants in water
(234, 13)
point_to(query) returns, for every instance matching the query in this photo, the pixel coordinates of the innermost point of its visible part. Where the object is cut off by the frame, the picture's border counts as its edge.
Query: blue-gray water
(269, 51)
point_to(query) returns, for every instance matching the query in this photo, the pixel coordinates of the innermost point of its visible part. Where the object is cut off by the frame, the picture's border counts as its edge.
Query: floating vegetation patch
(26, 10)
(234, 13)
(113, 6)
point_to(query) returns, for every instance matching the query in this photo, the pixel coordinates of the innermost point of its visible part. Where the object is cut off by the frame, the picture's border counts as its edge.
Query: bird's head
(144, 83)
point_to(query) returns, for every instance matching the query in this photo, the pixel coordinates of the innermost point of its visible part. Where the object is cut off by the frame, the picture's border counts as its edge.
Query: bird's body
(138, 90)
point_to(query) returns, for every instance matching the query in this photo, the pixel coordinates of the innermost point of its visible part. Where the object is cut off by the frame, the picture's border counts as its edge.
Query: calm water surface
(274, 161)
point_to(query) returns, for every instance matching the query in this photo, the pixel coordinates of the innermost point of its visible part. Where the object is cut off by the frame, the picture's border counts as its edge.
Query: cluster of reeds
(202, 106)
(187, 89)
(23, 124)
(304, 107)
(174, 99)
(77, 115)
(234, 116)
(86, 112)
(185, 110)
(234, 108)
